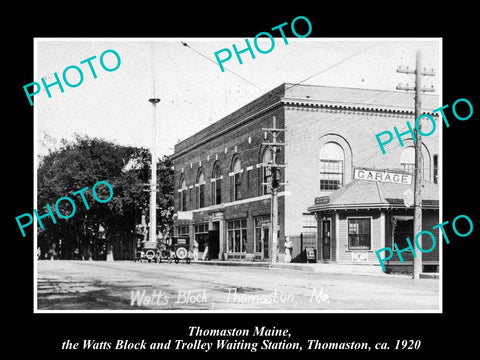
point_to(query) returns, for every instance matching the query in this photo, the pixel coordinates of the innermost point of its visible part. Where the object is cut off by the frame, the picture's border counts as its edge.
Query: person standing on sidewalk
(288, 249)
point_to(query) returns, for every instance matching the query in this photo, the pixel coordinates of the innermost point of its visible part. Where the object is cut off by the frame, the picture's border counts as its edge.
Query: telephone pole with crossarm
(417, 199)
(274, 184)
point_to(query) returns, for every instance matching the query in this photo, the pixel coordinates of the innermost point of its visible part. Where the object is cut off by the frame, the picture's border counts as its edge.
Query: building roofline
(243, 114)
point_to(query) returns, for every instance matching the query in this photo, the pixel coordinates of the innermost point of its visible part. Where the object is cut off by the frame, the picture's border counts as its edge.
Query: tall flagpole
(153, 169)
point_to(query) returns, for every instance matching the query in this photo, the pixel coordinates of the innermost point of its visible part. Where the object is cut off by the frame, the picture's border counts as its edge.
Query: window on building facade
(359, 234)
(237, 235)
(201, 236)
(182, 230)
(435, 169)
(258, 223)
(309, 224)
(200, 190)
(331, 166)
(183, 195)
(266, 171)
(217, 186)
(407, 159)
(237, 180)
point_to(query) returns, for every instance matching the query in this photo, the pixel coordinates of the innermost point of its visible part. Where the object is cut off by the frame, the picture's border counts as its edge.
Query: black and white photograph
(269, 191)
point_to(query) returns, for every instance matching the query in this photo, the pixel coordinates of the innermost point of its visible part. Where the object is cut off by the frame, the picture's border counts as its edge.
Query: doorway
(265, 237)
(213, 241)
(326, 237)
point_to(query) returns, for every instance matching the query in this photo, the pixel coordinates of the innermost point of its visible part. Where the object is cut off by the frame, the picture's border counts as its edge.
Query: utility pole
(153, 169)
(417, 190)
(274, 185)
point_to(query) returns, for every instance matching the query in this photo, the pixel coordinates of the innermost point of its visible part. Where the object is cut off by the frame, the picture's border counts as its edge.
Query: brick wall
(309, 129)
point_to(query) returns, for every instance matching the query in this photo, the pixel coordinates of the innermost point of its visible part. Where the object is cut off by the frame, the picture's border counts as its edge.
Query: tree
(82, 163)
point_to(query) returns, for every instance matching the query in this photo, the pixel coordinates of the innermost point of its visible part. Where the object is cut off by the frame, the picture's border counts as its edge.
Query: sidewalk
(326, 268)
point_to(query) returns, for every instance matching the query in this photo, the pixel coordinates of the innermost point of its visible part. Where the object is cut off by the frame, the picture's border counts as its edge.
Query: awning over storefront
(366, 194)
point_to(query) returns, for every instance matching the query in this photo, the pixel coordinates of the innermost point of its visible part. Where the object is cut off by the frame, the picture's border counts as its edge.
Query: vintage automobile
(175, 249)
(147, 252)
(179, 249)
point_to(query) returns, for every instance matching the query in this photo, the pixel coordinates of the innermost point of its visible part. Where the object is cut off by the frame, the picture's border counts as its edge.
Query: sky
(193, 90)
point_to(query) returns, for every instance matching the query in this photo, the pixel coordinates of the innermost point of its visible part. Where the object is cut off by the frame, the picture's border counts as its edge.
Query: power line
(213, 61)
(332, 66)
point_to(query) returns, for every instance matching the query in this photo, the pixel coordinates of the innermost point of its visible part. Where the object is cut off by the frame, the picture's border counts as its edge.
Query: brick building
(329, 139)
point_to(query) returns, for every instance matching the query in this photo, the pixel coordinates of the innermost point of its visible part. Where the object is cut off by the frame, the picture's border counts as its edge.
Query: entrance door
(213, 241)
(326, 239)
(265, 238)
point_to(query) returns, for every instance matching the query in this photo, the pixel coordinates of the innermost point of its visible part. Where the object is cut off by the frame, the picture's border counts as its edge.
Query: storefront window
(259, 223)
(359, 234)
(237, 236)
(182, 230)
(201, 236)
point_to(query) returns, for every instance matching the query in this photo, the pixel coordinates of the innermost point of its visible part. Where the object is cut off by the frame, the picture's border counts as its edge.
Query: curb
(303, 267)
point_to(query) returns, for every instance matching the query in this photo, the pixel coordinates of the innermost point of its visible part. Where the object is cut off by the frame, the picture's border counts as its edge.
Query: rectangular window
(217, 192)
(237, 236)
(267, 178)
(201, 236)
(259, 222)
(359, 234)
(182, 230)
(183, 200)
(435, 169)
(331, 174)
(409, 168)
(237, 193)
(309, 224)
(201, 196)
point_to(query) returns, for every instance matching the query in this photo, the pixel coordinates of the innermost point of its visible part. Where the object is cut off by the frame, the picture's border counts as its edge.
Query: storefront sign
(310, 252)
(184, 215)
(322, 200)
(358, 256)
(384, 176)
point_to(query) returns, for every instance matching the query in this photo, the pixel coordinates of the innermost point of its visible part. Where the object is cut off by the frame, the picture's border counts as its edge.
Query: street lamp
(153, 178)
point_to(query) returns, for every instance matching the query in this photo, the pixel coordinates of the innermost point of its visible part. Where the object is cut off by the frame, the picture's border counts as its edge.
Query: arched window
(407, 161)
(183, 195)
(332, 159)
(237, 179)
(200, 185)
(266, 171)
(216, 185)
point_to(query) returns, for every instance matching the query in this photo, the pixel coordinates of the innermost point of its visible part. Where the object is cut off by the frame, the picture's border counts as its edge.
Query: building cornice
(216, 134)
(302, 103)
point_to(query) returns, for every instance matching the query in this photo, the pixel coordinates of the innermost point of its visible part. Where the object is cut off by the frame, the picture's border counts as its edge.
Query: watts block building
(342, 196)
